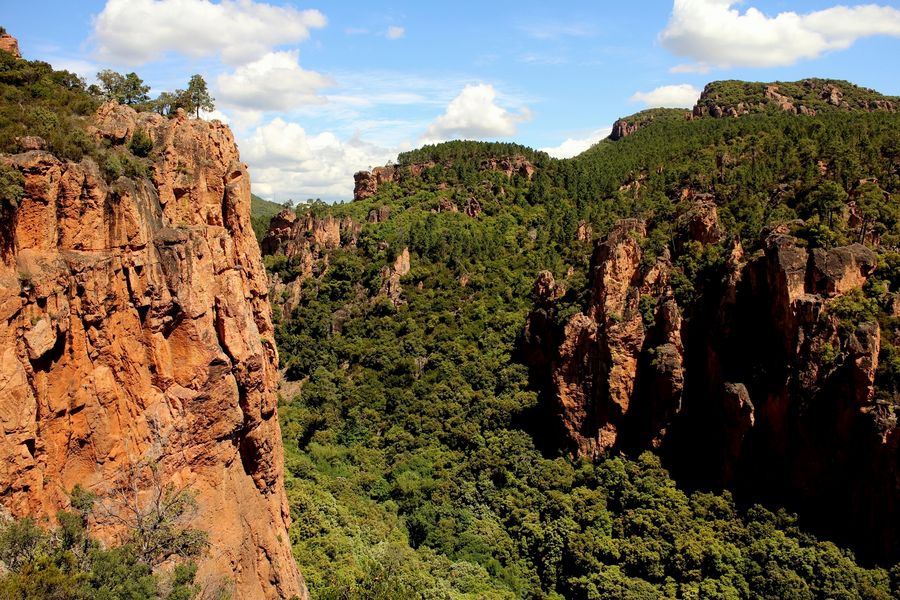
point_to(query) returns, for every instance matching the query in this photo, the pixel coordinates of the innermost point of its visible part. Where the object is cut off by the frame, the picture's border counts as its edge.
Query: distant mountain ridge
(734, 98)
(806, 97)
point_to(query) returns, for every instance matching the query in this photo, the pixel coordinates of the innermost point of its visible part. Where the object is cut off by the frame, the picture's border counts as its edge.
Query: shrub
(141, 143)
(12, 187)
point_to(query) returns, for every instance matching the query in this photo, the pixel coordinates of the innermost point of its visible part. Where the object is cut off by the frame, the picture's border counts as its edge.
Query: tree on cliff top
(125, 89)
(197, 96)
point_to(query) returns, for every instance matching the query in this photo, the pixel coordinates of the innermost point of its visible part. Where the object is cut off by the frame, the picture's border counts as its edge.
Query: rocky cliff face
(762, 388)
(134, 329)
(366, 182)
(629, 125)
(10, 44)
(601, 369)
(305, 241)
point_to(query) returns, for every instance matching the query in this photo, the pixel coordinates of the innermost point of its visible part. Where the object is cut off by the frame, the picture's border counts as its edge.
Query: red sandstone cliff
(623, 352)
(10, 44)
(135, 326)
(762, 387)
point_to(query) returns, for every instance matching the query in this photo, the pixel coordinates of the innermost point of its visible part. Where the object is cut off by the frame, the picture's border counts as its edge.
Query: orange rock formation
(10, 44)
(761, 387)
(135, 326)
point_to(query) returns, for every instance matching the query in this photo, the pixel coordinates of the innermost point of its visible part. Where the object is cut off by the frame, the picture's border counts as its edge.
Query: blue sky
(317, 91)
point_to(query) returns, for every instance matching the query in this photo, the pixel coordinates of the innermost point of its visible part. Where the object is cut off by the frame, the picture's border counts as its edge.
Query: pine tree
(198, 97)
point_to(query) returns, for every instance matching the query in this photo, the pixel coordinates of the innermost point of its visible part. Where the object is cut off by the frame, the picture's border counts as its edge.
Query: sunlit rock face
(134, 327)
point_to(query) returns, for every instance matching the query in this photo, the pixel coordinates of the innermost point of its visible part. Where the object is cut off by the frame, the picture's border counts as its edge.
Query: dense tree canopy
(420, 458)
(124, 89)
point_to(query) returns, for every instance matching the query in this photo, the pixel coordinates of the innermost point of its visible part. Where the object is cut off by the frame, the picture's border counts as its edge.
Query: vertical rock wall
(135, 327)
(762, 389)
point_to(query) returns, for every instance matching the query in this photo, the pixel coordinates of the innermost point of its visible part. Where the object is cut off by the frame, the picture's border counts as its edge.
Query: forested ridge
(422, 459)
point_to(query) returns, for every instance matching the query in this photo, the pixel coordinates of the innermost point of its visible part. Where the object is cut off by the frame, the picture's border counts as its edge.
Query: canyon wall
(135, 329)
(766, 386)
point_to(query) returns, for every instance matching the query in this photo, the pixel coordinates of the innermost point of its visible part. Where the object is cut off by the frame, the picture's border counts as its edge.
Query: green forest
(421, 462)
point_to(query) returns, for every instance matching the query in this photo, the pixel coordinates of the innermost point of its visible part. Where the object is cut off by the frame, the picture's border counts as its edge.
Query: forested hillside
(425, 458)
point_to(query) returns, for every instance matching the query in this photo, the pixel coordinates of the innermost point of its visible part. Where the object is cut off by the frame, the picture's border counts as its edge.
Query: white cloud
(80, 67)
(395, 33)
(671, 96)
(134, 32)
(575, 146)
(713, 33)
(288, 163)
(274, 82)
(215, 115)
(532, 58)
(475, 114)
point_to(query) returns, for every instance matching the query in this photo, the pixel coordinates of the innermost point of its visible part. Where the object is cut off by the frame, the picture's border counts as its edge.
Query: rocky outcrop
(295, 236)
(445, 205)
(305, 242)
(618, 372)
(364, 185)
(698, 221)
(135, 328)
(627, 126)
(9, 44)
(509, 166)
(473, 207)
(366, 182)
(808, 97)
(27, 143)
(767, 386)
(833, 95)
(623, 128)
(585, 232)
(379, 215)
(390, 277)
(782, 391)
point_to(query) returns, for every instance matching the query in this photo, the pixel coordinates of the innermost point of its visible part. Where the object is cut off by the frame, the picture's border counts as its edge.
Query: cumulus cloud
(288, 163)
(575, 146)
(475, 114)
(274, 82)
(671, 96)
(713, 33)
(395, 33)
(134, 32)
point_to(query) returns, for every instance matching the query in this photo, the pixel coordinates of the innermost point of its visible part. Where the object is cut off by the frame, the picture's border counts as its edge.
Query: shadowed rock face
(135, 326)
(761, 388)
(622, 355)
